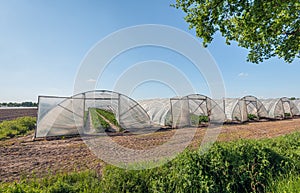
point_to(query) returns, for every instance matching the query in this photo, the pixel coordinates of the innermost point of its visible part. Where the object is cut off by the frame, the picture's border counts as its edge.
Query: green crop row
(17, 127)
(287, 115)
(251, 116)
(97, 121)
(198, 119)
(109, 116)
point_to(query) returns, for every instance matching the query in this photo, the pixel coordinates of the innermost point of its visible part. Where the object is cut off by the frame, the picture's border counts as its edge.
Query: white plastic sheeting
(55, 117)
(280, 108)
(238, 109)
(227, 105)
(297, 104)
(195, 104)
(248, 105)
(177, 112)
(158, 110)
(66, 116)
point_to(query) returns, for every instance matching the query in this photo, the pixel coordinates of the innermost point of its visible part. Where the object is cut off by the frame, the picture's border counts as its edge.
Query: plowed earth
(13, 113)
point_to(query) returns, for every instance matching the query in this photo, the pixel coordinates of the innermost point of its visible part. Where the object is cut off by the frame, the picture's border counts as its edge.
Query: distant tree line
(22, 104)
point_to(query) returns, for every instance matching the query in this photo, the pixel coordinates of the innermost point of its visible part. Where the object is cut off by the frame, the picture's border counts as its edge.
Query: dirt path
(23, 157)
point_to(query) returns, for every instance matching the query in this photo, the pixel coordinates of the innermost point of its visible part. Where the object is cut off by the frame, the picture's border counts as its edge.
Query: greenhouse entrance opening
(101, 115)
(282, 108)
(89, 113)
(249, 108)
(195, 110)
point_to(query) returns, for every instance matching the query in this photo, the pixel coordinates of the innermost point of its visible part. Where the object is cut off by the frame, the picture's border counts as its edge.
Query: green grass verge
(269, 165)
(87, 181)
(240, 166)
(17, 127)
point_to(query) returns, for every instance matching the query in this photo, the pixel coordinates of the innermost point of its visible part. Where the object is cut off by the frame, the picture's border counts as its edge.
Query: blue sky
(42, 44)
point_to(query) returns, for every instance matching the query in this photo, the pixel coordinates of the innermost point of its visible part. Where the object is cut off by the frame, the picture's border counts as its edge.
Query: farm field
(13, 113)
(23, 158)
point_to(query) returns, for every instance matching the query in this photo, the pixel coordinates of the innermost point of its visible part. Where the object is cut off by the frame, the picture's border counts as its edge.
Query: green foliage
(287, 115)
(18, 127)
(266, 28)
(23, 104)
(288, 184)
(251, 116)
(236, 118)
(203, 118)
(62, 183)
(243, 166)
(194, 119)
(120, 180)
(97, 121)
(198, 119)
(269, 165)
(109, 116)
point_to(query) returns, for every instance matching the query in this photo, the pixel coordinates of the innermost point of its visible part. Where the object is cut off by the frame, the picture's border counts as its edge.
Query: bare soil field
(13, 113)
(22, 157)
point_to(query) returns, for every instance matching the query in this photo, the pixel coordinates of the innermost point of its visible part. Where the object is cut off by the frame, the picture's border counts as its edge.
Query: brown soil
(23, 157)
(13, 113)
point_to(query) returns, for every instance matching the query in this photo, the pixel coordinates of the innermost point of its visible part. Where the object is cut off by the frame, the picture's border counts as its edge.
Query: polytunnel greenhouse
(243, 109)
(200, 109)
(297, 104)
(191, 110)
(280, 108)
(90, 112)
(159, 110)
(248, 108)
(227, 105)
(96, 112)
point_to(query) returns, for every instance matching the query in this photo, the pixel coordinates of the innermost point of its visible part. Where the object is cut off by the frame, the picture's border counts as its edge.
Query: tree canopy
(267, 28)
(23, 104)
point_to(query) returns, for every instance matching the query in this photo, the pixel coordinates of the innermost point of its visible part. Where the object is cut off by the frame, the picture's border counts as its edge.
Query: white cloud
(91, 80)
(243, 74)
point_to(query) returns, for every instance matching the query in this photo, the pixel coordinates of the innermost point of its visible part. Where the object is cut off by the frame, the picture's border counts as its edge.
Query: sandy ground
(23, 158)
